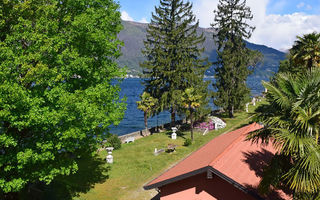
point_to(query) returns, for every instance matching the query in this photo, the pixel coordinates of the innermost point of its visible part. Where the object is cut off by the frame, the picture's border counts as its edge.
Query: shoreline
(153, 130)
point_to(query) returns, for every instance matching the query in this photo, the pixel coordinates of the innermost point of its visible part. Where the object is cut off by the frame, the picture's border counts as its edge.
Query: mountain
(134, 33)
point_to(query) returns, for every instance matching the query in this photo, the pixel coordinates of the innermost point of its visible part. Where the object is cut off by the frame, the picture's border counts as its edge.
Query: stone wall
(142, 133)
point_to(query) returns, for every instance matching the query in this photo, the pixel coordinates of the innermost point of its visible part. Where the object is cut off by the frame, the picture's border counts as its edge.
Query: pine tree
(173, 54)
(234, 58)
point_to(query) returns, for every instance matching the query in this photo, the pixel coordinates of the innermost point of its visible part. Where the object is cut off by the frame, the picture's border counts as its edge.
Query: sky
(277, 22)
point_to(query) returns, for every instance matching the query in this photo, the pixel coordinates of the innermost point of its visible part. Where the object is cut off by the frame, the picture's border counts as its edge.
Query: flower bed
(205, 125)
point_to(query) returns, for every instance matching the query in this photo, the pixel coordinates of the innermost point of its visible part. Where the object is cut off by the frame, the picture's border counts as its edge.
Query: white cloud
(125, 16)
(280, 31)
(308, 7)
(301, 5)
(203, 9)
(143, 20)
(277, 31)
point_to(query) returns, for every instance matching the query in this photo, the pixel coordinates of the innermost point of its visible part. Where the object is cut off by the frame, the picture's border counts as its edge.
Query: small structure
(172, 147)
(129, 139)
(205, 131)
(247, 107)
(218, 123)
(174, 135)
(254, 101)
(157, 152)
(109, 157)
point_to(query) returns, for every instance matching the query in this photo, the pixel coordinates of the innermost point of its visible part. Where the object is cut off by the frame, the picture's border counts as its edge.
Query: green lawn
(134, 165)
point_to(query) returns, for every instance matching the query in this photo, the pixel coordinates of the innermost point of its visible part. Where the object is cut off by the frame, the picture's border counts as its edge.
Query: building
(227, 168)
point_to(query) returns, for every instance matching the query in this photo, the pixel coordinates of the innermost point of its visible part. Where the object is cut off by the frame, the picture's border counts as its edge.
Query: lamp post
(174, 135)
(109, 157)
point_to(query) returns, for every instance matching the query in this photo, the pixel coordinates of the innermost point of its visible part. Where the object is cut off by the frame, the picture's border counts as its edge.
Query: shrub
(113, 141)
(187, 142)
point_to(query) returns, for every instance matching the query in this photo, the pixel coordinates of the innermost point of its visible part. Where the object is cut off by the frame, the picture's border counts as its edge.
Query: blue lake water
(133, 119)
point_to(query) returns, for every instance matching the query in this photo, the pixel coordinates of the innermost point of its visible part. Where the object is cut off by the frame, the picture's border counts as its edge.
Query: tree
(191, 101)
(292, 124)
(57, 62)
(173, 55)
(234, 58)
(304, 54)
(148, 104)
(306, 51)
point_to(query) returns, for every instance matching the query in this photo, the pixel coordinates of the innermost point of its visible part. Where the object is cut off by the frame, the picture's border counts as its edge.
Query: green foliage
(57, 61)
(292, 124)
(234, 58)
(148, 105)
(191, 100)
(173, 55)
(304, 54)
(187, 142)
(306, 51)
(113, 141)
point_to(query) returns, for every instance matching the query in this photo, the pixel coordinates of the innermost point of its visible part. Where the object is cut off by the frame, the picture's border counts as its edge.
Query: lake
(133, 120)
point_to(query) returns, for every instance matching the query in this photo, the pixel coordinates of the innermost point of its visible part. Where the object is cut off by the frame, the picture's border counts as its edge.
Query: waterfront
(133, 120)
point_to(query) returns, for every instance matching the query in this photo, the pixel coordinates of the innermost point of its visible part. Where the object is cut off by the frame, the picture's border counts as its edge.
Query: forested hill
(133, 35)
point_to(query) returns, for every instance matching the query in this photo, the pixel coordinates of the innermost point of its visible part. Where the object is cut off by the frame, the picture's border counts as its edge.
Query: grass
(134, 165)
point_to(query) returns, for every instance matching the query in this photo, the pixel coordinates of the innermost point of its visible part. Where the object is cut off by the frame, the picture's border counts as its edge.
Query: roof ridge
(230, 145)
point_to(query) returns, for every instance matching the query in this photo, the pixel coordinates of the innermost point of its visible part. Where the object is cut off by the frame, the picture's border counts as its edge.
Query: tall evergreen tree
(173, 54)
(234, 58)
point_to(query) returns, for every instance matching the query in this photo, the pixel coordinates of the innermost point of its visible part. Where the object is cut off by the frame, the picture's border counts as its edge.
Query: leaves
(173, 51)
(57, 90)
(292, 121)
(235, 61)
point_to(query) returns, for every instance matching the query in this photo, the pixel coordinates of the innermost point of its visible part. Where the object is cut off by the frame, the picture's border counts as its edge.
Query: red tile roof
(230, 154)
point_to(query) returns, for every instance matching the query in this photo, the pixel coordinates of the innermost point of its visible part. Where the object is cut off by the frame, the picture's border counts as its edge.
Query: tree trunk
(173, 117)
(191, 120)
(231, 112)
(146, 123)
(11, 196)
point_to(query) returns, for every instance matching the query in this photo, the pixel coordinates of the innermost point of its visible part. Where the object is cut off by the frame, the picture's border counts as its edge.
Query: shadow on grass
(91, 170)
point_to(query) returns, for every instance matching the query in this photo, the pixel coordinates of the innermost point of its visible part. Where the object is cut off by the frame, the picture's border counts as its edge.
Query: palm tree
(292, 124)
(191, 101)
(147, 104)
(306, 50)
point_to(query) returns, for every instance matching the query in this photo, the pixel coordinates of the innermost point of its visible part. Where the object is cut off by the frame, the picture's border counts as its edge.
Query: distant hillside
(134, 34)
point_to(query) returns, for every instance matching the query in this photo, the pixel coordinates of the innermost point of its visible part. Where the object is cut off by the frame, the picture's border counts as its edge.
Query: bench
(157, 152)
(129, 139)
(172, 147)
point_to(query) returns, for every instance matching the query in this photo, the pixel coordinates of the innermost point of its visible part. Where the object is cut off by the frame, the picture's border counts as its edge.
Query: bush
(113, 141)
(187, 142)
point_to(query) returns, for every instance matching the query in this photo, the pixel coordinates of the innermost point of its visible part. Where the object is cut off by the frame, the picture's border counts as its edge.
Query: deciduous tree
(57, 61)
